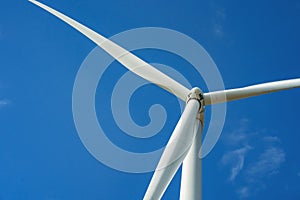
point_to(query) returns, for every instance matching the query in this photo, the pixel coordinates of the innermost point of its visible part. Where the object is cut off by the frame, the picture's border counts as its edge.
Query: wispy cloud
(218, 21)
(243, 192)
(4, 102)
(235, 159)
(268, 163)
(1, 33)
(271, 139)
(240, 136)
(218, 29)
(254, 157)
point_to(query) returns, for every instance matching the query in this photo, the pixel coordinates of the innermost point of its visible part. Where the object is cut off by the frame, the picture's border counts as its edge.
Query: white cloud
(240, 136)
(244, 192)
(250, 169)
(218, 21)
(221, 14)
(218, 29)
(3, 103)
(1, 33)
(235, 159)
(272, 139)
(268, 163)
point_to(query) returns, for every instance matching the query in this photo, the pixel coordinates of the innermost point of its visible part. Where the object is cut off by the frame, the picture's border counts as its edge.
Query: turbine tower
(185, 141)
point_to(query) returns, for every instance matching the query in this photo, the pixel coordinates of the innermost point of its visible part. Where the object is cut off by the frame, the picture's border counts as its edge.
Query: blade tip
(32, 1)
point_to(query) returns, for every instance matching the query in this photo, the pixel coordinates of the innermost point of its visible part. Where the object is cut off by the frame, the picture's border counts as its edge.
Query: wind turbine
(185, 142)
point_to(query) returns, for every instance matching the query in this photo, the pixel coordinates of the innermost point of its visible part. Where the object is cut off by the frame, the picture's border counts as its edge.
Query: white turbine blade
(249, 91)
(130, 61)
(175, 151)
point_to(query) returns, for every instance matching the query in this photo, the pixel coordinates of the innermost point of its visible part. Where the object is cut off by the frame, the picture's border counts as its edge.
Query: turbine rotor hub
(197, 94)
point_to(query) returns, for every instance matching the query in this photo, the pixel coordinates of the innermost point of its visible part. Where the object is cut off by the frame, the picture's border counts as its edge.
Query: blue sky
(41, 155)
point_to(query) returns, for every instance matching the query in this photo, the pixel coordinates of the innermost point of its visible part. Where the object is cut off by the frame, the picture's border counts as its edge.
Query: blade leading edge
(129, 60)
(249, 91)
(176, 150)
